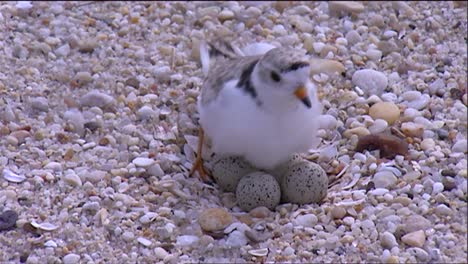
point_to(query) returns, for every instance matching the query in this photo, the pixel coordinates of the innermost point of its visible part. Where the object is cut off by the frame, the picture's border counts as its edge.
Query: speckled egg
(227, 171)
(303, 182)
(258, 189)
(282, 168)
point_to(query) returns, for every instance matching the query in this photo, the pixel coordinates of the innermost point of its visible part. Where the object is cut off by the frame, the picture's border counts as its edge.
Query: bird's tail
(219, 48)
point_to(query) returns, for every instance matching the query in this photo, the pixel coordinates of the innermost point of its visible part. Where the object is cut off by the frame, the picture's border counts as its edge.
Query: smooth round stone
(96, 98)
(73, 180)
(214, 219)
(338, 212)
(258, 189)
(388, 240)
(304, 182)
(40, 104)
(387, 111)
(143, 162)
(379, 126)
(415, 222)
(374, 54)
(353, 37)
(228, 171)
(307, 220)
(370, 81)
(71, 259)
(384, 179)
(427, 144)
(327, 122)
(160, 253)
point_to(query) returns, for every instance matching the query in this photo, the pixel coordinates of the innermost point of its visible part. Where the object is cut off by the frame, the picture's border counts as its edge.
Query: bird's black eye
(275, 76)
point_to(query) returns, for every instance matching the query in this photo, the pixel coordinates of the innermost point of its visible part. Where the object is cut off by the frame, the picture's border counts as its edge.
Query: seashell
(395, 171)
(13, 177)
(44, 226)
(148, 217)
(356, 178)
(50, 243)
(350, 203)
(258, 252)
(145, 242)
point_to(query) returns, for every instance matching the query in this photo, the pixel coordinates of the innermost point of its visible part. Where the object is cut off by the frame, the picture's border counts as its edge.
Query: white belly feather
(235, 126)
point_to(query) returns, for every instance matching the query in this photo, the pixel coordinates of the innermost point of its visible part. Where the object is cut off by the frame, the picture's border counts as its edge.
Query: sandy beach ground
(98, 126)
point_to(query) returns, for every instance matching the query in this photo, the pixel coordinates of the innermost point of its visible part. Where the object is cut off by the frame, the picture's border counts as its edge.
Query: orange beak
(302, 94)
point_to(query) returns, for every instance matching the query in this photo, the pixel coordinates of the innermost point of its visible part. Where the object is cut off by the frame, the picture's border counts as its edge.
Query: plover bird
(263, 108)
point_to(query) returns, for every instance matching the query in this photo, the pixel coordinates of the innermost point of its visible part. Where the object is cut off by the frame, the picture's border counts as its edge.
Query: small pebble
(387, 111)
(338, 212)
(160, 253)
(307, 220)
(71, 259)
(143, 162)
(379, 126)
(214, 219)
(8, 220)
(339, 7)
(460, 146)
(412, 129)
(414, 239)
(40, 104)
(96, 98)
(388, 240)
(384, 179)
(443, 210)
(427, 144)
(370, 81)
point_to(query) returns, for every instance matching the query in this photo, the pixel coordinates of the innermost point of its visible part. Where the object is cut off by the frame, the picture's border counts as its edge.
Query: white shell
(44, 226)
(356, 178)
(394, 170)
(13, 177)
(50, 243)
(350, 203)
(259, 252)
(148, 217)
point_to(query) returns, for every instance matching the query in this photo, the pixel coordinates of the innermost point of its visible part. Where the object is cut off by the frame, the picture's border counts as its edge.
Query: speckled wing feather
(222, 71)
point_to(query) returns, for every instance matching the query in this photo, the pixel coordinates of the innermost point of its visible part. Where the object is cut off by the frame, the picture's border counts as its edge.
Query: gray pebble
(96, 98)
(460, 146)
(40, 104)
(370, 81)
(71, 259)
(388, 240)
(384, 179)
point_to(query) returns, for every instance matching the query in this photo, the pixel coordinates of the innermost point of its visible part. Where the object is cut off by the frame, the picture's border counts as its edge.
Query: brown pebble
(389, 145)
(214, 219)
(338, 212)
(260, 212)
(20, 135)
(68, 154)
(133, 82)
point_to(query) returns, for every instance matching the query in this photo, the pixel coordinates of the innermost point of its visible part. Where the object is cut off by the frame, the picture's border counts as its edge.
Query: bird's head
(285, 73)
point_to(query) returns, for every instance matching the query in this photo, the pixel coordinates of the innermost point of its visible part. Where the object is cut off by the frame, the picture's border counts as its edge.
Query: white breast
(237, 126)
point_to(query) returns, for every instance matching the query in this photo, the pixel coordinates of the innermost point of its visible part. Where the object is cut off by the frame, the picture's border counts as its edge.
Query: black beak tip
(307, 102)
